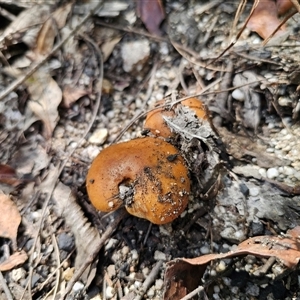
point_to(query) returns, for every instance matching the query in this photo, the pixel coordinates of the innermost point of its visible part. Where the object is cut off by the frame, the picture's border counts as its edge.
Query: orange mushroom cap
(158, 127)
(151, 169)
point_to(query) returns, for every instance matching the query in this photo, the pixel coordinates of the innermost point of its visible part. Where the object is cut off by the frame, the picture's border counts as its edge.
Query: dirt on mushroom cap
(152, 168)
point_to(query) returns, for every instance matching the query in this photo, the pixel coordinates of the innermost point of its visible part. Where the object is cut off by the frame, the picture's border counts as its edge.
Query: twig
(150, 279)
(5, 287)
(196, 291)
(15, 84)
(56, 251)
(108, 232)
(278, 27)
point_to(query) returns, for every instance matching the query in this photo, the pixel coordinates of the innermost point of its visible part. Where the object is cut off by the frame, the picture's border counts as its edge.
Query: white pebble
(145, 271)
(204, 250)
(109, 292)
(239, 235)
(272, 173)
(125, 250)
(254, 191)
(237, 94)
(262, 172)
(17, 274)
(111, 243)
(221, 267)
(134, 254)
(297, 175)
(216, 289)
(150, 293)
(78, 286)
(137, 284)
(158, 255)
(99, 136)
(159, 283)
(288, 170)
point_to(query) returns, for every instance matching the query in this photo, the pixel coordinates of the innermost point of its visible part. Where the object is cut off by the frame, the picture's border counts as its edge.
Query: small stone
(237, 94)
(145, 271)
(217, 289)
(111, 243)
(221, 267)
(204, 249)
(150, 293)
(125, 250)
(111, 271)
(78, 286)
(109, 292)
(285, 101)
(240, 235)
(134, 255)
(297, 175)
(272, 173)
(257, 228)
(18, 274)
(158, 255)
(99, 136)
(65, 242)
(135, 54)
(254, 191)
(159, 283)
(68, 274)
(288, 171)
(252, 289)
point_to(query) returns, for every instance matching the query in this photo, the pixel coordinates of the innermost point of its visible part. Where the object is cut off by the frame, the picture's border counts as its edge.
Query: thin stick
(5, 287)
(196, 291)
(149, 280)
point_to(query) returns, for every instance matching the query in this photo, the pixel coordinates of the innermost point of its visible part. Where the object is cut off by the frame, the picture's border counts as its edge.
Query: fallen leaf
(71, 94)
(10, 219)
(13, 260)
(26, 25)
(283, 6)
(264, 19)
(108, 47)
(48, 32)
(86, 236)
(152, 14)
(45, 96)
(8, 175)
(184, 275)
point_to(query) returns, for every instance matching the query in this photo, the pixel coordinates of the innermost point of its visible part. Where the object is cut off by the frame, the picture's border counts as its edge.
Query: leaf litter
(239, 200)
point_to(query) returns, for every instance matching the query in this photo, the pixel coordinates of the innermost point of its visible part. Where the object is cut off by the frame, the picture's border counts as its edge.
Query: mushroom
(158, 127)
(147, 175)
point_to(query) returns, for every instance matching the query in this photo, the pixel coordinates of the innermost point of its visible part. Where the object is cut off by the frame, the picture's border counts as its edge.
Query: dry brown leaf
(283, 6)
(46, 95)
(264, 19)
(49, 30)
(72, 94)
(184, 275)
(108, 47)
(27, 24)
(10, 219)
(14, 260)
(8, 175)
(152, 14)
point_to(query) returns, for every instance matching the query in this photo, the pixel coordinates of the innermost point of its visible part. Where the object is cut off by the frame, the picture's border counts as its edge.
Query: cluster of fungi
(147, 175)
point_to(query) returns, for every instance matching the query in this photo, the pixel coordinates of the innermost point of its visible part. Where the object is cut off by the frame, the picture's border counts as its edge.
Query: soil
(96, 91)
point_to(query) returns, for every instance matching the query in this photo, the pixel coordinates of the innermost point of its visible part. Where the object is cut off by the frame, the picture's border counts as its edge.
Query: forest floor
(83, 79)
